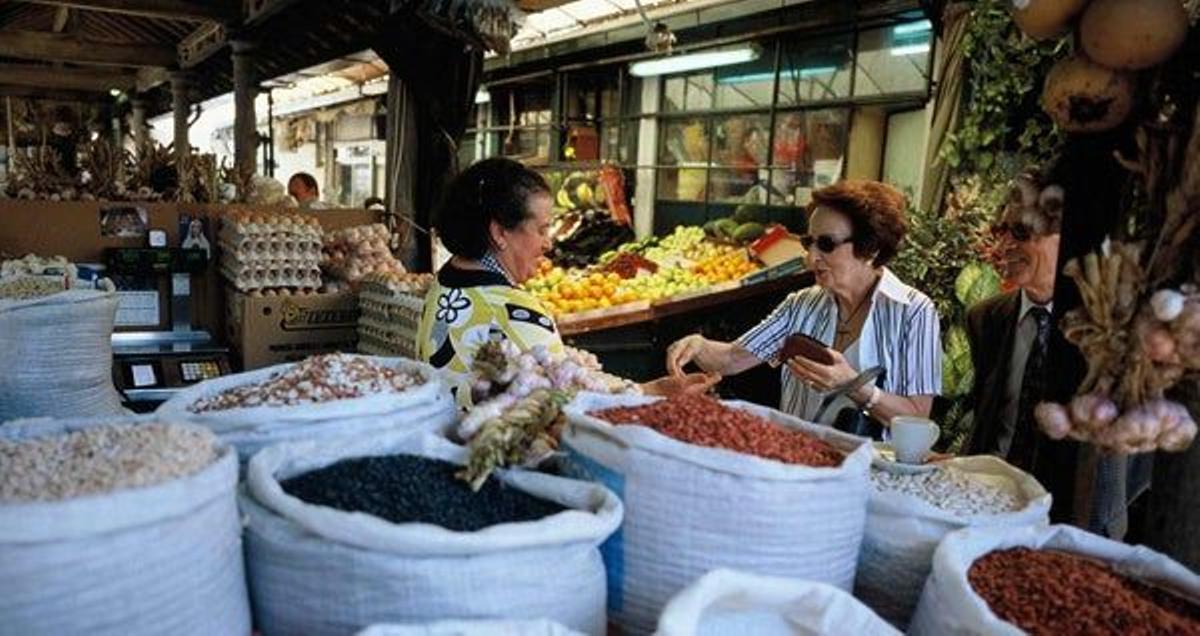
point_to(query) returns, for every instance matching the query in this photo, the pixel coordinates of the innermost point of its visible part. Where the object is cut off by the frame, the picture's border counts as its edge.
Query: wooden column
(245, 123)
(182, 107)
(141, 135)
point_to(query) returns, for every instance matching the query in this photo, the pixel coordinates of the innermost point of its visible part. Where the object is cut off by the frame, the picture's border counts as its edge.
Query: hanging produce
(1133, 34)
(1082, 96)
(517, 398)
(1045, 19)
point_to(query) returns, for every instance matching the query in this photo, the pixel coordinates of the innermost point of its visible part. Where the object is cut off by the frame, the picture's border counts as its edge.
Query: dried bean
(411, 489)
(101, 459)
(950, 489)
(1055, 593)
(704, 421)
(317, 379)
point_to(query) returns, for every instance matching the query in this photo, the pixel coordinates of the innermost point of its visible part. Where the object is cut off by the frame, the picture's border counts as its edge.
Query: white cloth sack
(730, 603)
(903, 531)
(691, 509)
(427, 407)
(950, 606)
(473, 628)
(56, 356)
(320, 571)
(163, 559)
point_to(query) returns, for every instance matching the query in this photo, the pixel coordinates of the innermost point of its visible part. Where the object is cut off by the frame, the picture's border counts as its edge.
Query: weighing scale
(151, 366)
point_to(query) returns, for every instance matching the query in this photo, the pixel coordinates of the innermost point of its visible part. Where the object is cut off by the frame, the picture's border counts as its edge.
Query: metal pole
(245, 124)
(12, 140)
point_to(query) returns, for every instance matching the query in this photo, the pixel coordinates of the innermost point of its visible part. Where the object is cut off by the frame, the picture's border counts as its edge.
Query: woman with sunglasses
(860, 310)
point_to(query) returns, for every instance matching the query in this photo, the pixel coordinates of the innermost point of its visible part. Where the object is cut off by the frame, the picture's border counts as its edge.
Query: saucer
(883, 457)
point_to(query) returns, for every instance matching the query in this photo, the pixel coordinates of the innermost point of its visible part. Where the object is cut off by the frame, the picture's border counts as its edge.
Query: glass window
(688, 92)
(815, 70)
(740, 147)
(683, 148)
(746, 85)
(808, 152)
(893, 59)
(466, 151)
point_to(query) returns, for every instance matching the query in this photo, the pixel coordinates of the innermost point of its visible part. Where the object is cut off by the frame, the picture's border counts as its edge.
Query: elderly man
(303, 187)
(1011, 335)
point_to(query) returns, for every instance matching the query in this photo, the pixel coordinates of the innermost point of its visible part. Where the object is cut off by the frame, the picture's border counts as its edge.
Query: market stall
(306, 474)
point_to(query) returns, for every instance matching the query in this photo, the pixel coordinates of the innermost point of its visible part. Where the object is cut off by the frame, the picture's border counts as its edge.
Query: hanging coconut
(1045, 19)
(1133, 34)
(1082, 96)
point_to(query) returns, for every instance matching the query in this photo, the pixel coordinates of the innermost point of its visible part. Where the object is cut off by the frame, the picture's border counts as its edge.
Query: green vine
(1004, 71)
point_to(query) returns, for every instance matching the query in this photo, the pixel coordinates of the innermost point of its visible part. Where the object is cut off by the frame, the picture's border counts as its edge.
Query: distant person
(303, 187)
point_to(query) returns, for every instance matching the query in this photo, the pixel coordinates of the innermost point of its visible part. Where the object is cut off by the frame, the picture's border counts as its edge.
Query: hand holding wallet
(804, 346)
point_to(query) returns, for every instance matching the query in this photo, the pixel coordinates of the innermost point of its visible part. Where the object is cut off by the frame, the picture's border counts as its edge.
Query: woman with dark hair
(495, 220)
(863, 314)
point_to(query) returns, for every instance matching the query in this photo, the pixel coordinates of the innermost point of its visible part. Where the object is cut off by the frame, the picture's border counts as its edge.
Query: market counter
(633, 344)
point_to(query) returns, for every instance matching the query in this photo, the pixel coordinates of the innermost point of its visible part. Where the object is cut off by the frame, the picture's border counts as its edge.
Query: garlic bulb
(1167, 304)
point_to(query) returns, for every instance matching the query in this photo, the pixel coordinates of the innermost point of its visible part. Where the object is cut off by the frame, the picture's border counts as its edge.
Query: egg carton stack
(390, 306)
(264, 251)
(352, 253)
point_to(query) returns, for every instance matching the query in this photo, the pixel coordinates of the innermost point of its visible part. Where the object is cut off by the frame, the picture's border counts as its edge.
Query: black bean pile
(411, 489)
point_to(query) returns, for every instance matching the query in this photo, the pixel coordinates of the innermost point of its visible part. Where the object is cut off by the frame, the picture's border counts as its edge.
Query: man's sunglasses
(824, 242)
(1019, 232)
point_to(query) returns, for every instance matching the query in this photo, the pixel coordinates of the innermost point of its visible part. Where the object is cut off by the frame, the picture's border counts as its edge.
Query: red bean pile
(704, 421)
(1050, 592)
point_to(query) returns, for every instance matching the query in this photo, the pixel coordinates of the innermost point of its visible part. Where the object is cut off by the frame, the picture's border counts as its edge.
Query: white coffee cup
(912, 437)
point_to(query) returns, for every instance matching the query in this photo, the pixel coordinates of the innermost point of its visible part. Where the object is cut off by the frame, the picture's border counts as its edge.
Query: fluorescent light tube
(693, 61)
(483, 96)
(910, 49)
(909, 28)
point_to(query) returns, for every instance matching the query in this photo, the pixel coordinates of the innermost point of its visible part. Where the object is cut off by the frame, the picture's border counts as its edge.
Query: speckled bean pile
(322, 378)
(101, 459)
(950, 489)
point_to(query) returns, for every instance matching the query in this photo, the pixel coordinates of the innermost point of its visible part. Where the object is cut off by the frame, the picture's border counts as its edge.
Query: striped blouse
(901, 333)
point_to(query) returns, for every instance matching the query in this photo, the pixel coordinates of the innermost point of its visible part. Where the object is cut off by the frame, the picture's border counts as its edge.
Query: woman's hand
(823, 377)
(686, 349)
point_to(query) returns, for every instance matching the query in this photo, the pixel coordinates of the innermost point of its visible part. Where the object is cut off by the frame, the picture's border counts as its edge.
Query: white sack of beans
(128, 531)
(319, 571)
(908, 515)
(56, 356)
(950, 605)
(731, 603)
(691, 509)
(473, 628)
(300, 400)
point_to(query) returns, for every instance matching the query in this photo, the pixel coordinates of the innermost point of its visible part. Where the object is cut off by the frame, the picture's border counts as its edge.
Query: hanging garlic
(1167, 304)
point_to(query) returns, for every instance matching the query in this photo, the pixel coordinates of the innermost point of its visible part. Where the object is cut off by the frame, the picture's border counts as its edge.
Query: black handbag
(855, 420)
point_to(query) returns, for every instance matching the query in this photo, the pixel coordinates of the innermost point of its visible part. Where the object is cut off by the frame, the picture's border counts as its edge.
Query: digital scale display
(143, 375)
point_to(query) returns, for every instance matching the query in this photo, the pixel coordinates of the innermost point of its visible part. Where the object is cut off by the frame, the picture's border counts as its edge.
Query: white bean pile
(952, 490)
(323, 378)
(101, 459)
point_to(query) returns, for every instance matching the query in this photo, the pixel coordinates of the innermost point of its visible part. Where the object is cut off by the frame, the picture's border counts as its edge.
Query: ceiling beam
(149, 77)
(58, 47)
(30, 92)
(96, 80)
(216, 10)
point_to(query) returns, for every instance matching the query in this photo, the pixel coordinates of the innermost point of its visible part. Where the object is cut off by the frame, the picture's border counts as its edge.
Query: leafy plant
(1002, 128)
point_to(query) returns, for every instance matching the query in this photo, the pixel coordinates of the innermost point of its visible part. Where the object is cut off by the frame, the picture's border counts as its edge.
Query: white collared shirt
(1022, 344)
(901, 333)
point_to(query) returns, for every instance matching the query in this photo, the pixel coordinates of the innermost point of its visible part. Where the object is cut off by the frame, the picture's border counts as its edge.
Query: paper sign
(143, 375)
(137, 309)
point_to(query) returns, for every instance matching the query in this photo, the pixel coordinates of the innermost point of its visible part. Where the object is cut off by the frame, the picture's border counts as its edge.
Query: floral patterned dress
(466, 308)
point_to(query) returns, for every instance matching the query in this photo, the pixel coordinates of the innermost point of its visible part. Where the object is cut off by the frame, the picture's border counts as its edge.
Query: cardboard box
(274, 329)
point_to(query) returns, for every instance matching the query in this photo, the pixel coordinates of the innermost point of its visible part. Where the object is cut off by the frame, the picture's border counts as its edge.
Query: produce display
(261, 251)
(1047, 592)
(318, 379)
(352, 253)
(651, 269)
(390, 305)
(101, 459)
(949, 489)
(411, 489)
(704, 421)
(518, 396)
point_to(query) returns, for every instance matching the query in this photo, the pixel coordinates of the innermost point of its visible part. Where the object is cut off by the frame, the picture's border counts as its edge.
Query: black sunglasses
(1020, 232)
(824, 242)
